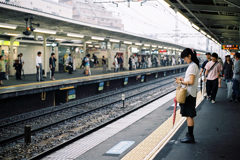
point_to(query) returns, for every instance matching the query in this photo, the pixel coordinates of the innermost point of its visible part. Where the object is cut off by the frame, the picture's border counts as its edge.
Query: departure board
(230, 47)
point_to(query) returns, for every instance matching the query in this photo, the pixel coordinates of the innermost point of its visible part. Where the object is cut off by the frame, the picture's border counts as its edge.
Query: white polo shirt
(192, 70)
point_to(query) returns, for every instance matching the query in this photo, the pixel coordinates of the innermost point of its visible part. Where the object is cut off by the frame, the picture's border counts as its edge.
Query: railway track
(60, 127)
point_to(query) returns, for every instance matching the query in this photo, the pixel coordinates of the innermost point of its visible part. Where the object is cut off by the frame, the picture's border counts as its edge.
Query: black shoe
(230, 100)
(20, 78)
(236, 101)
(41, 80)
(188, 139)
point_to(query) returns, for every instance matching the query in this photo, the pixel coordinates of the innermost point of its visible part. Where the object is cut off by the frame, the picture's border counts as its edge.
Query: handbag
(114, 63)
(181, 93)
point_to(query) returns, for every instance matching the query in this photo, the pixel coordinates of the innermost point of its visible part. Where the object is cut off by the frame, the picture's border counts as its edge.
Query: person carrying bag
(187, 96)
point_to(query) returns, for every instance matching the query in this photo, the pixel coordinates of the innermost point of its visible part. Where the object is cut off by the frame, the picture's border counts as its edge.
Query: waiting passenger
(121, 63)
(104, 64)
(116, 63)
(236, 79)
(87, 65)
(130, 63)
(191, 78)
(164, 60)
(2, 70)
(143, 62)
(203, 70)
(228, 69)
(133, 63)
(173, 61)
(69, 62)
(39, 67)
(19, 68)
(213, 69)
(136, 61)
(52, 65)
(220, 75)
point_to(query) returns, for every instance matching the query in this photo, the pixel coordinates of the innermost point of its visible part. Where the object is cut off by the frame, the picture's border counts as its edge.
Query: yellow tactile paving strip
(157, 138)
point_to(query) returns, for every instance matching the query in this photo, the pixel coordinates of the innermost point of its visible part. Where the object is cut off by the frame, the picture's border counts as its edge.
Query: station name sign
(162, 50)
(230, 47)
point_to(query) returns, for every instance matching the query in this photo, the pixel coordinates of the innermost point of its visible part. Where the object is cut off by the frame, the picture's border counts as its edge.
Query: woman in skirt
(2, 70)
(191, 78)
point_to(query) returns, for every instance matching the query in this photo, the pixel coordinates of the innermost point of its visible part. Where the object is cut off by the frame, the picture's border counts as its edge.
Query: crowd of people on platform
(213, 70)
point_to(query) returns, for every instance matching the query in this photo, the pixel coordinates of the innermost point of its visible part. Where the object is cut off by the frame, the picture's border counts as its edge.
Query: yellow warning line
(148, 148)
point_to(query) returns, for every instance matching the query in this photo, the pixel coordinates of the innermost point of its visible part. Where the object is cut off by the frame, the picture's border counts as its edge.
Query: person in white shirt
(173, 61)
(19, 68)
(191, 79)
(149, 62)
(69, 63)
(39, 67)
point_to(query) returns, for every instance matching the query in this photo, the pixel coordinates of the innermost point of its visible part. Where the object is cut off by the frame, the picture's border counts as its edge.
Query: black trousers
(130, 66)
(121, 66)
(212, 88)
(18, 71)
(52, 70)
(70, 68)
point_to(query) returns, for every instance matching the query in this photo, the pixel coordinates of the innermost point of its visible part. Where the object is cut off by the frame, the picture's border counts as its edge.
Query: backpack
(83, 61)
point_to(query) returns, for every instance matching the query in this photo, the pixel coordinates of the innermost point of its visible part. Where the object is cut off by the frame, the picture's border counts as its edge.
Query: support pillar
(110, 61)
(11, 58)
(46, 68)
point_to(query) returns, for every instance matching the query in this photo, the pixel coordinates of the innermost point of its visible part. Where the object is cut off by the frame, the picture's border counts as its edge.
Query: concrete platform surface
(216, 131)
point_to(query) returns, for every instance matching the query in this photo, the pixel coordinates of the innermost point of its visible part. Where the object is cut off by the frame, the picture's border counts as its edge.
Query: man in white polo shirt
(39, 66)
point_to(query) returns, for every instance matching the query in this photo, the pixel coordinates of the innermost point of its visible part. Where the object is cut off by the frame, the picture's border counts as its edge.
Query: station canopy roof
(12, 14)
(219, 19)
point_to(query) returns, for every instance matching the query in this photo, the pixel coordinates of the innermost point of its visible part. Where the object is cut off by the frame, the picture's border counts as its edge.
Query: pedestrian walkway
(216, 132)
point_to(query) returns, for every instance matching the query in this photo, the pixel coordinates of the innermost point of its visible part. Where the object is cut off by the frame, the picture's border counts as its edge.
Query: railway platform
(148, 133)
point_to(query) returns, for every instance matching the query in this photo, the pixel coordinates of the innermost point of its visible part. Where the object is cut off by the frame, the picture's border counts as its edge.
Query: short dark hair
(215, 55)
(227, 56)
(102, 56)
(39, 53)
(1, 56)
(88, 55)
(70, 54)
(20, 54)
(52, 54)
(237, 54)
(208, 53)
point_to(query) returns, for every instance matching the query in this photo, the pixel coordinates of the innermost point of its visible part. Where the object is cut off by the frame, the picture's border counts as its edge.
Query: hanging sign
(142, 79)
(101, 84)
(126, 81)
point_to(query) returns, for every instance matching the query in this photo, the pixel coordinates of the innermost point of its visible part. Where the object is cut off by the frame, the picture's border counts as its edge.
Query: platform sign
(174, 71)
(120, 147)
(164, 73)
(126, 81)
(71, 91)
(101, 84)
(142, 79)
(72, 96)
(230, 47)
(156, 75)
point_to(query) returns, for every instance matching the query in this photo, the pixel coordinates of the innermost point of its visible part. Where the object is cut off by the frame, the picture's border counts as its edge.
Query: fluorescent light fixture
(177, 49)
(126, 42)
(165, 47)
(154, 46)
(39, 30)
(209, 36)
(138, 44)
(97, 38)
(90, 45)
(11, 34)
(88, 42)
(144, 48)
(182, 16)
(174, 48)
(204, 33)
(169, 48)
(58, 39)
(8, 26)
(195, 26)
(96, 46)
(147, 45)
(114, 40)
(153, 49)
(75, 35)
(160, 46)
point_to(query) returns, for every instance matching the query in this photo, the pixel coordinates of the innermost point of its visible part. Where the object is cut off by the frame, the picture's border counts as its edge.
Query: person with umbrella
(191, 79)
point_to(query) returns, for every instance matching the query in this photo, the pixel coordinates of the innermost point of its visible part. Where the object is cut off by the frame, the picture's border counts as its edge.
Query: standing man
(203, 70)
(104, 64)
(219, 78)
(52, 64)
(39, 67)
(70, 63)
(19, 68)
(164, 60)
(121, 63)
(213, 69)
(236, 79)
(130, 63)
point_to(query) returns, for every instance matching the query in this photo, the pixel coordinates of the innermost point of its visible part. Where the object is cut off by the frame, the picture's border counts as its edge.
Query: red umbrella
(174, 110)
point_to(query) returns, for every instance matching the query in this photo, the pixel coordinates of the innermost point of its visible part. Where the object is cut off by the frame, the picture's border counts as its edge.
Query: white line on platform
(83, 145)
